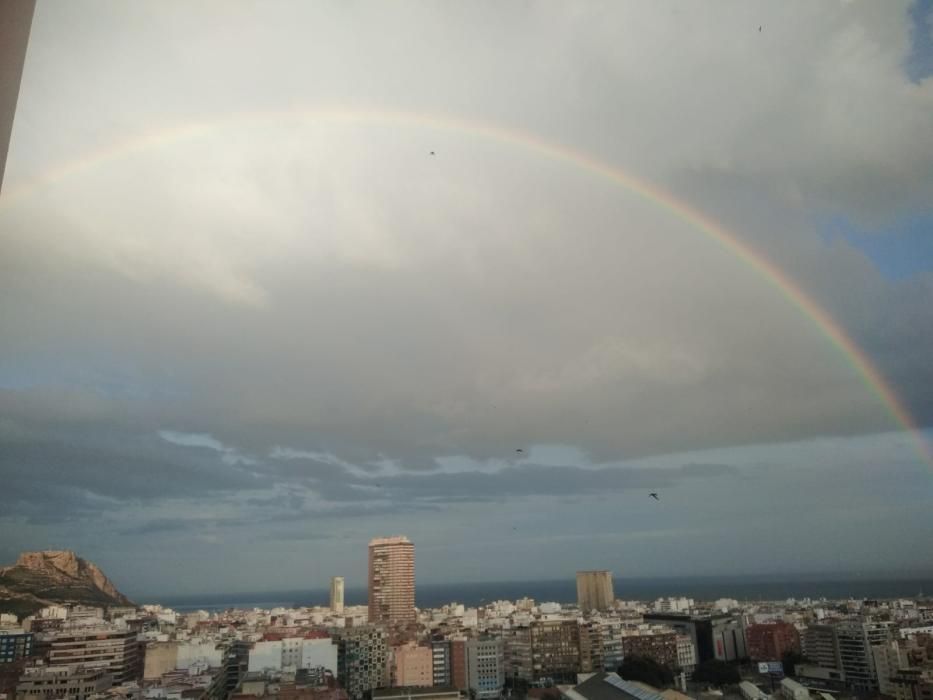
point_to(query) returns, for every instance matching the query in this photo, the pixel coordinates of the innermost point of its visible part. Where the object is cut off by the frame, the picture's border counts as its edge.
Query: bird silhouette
(654, 496)
(433, 153)
(759, 27)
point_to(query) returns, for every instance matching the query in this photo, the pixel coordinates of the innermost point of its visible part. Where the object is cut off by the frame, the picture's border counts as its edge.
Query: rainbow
(694, 218)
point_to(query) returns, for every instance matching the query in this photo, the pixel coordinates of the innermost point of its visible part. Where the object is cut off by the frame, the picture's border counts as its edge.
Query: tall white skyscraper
(336, 595)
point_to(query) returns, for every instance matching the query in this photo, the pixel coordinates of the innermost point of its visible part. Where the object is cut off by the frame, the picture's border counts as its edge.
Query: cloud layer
(294, 314)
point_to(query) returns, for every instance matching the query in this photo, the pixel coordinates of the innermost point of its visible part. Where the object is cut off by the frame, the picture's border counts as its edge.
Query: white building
(293, 653)
(792, 690)
(750, 691)
(673, 604)
(198, 651)
(265, 656)
(317, 653)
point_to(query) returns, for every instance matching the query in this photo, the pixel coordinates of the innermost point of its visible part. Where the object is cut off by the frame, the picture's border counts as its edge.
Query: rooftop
(611, 686)
(408, 691)
(397, 539)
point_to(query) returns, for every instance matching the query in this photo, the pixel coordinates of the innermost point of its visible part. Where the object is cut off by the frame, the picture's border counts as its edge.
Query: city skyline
(489, 276)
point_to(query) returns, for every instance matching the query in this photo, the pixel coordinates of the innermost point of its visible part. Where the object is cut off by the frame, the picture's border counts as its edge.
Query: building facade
(412, 666)
(719, 637)
(15, 644)
(770, 641)
(362, 657)
(391, 580)
(594, 590)
(517, 653)
(440, 663)
(116, 650)
(458, 664)
(854, 641)
(73, 681)
(555, 650)
(660, 647)
(485, 667)
(819, 645)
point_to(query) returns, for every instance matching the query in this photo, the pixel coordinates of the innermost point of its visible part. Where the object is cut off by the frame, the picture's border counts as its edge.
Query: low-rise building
(610, 686)
(792, 690)
(443, 693)
(74, 681)
(750, 691)
(113, 649)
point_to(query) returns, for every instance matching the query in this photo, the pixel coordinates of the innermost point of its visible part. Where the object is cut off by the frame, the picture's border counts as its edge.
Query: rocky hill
(45, 578)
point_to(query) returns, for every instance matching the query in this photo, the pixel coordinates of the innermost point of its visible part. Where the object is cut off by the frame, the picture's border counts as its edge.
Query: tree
(646, 670)
(716, 672)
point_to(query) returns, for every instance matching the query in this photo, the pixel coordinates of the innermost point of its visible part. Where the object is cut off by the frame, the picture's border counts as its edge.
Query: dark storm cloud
(80, 465)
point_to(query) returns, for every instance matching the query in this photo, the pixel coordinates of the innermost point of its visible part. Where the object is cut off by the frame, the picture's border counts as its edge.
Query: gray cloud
(235, 288)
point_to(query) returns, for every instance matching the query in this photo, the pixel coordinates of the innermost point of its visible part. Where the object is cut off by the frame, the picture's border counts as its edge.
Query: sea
(744, 588)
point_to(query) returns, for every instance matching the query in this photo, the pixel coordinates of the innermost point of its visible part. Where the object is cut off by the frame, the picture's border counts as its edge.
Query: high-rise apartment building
(391, 580)
(594, 590)
(336, 595)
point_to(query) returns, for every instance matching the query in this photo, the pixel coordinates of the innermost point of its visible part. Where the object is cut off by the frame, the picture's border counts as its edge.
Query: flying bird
(759, 27)
(520, 450)
(654, 496)
(433, 153)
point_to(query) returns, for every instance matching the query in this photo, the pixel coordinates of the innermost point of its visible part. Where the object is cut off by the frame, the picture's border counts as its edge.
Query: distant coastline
(742, 588)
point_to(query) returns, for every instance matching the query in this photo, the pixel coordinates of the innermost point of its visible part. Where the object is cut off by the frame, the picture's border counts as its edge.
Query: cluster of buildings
(391, 650)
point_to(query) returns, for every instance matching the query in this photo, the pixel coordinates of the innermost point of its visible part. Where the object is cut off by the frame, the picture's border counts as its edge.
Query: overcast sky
(271, 285)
